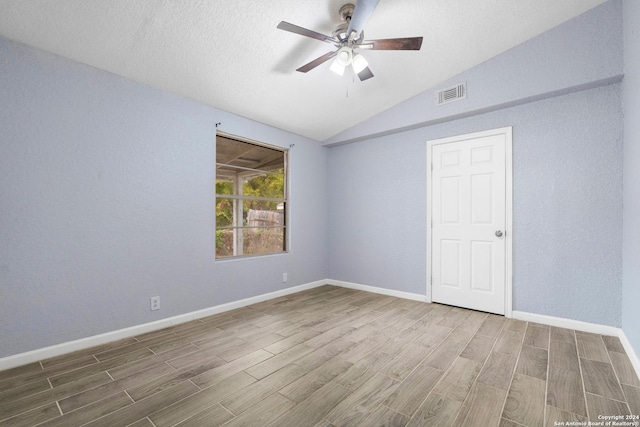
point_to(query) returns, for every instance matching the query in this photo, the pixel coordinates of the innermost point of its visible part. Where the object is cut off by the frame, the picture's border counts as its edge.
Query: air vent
(451, 94)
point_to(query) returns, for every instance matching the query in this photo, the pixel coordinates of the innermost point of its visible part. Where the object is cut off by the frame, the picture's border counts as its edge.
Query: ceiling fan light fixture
(344, 56)
(337, 68)
(359, 63)
(343, 59)
(349, 36)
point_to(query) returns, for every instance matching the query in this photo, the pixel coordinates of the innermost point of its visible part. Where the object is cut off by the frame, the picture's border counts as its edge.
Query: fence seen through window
(251, 198)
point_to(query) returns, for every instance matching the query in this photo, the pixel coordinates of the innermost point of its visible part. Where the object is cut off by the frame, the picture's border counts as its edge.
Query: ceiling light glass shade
(344, 56)
(359, 63)
(337, 68)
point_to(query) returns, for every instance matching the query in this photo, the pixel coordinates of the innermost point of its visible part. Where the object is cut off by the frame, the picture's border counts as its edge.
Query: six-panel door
(468, 232)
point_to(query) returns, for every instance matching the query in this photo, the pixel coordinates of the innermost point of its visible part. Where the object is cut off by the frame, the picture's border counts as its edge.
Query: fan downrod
(340, 33)
(346, 12)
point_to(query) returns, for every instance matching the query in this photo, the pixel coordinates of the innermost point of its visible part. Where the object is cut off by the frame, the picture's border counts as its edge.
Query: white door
(468, 213)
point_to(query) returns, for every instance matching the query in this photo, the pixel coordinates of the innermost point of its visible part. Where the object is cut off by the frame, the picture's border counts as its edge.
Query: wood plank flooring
(327, 357)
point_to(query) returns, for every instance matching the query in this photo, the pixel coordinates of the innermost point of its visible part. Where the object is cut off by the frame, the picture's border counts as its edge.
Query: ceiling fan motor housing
(340, 33)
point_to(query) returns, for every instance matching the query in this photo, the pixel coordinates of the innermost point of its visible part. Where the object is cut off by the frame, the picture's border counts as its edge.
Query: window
(251, 198)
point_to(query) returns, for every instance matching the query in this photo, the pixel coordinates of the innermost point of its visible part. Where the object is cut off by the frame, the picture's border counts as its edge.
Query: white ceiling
(231, 56)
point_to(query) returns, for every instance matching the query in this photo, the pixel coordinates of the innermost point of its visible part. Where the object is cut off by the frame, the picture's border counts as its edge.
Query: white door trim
(508, 133)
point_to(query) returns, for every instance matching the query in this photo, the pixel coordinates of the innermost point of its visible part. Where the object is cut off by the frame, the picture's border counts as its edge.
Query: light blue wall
(567, 215)
(583, 52)
(631, 248)
(107, 198)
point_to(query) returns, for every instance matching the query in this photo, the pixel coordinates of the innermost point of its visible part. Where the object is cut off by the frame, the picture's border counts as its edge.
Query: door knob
(498, 233)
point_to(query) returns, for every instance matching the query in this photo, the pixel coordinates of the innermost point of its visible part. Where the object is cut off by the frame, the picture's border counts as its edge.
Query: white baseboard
(80, 344)
(68, 347)
(561, 322)
(377, 290)
(635, 361)
(520, 315)
(584, 327)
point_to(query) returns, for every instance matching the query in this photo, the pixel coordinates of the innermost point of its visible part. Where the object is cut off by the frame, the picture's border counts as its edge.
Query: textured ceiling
(231, 56)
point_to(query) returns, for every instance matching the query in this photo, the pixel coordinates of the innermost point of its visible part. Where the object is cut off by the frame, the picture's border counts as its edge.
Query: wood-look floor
(331, 357)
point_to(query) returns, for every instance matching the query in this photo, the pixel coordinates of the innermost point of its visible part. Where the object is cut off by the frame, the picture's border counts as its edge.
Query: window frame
(238, 198)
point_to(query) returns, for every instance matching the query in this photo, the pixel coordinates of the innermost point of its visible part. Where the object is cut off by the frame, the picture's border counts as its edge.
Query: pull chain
(353, 81)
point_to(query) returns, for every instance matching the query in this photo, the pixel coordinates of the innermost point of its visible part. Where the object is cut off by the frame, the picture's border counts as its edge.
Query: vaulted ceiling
(230, 55)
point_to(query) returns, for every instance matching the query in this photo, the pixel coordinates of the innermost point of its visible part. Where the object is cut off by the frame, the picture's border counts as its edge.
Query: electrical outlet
(155, 303)
(284, 277)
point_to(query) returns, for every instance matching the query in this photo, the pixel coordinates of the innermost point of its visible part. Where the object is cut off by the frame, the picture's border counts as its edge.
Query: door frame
(508, 133)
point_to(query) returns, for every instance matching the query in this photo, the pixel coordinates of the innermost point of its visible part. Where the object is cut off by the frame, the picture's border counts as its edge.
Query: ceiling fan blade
(365, 74)
(305, 32)
(313, 64)
(361, 14)
(406, 43)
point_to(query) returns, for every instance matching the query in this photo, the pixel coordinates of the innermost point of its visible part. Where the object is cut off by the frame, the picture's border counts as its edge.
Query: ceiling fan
(348, 37)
